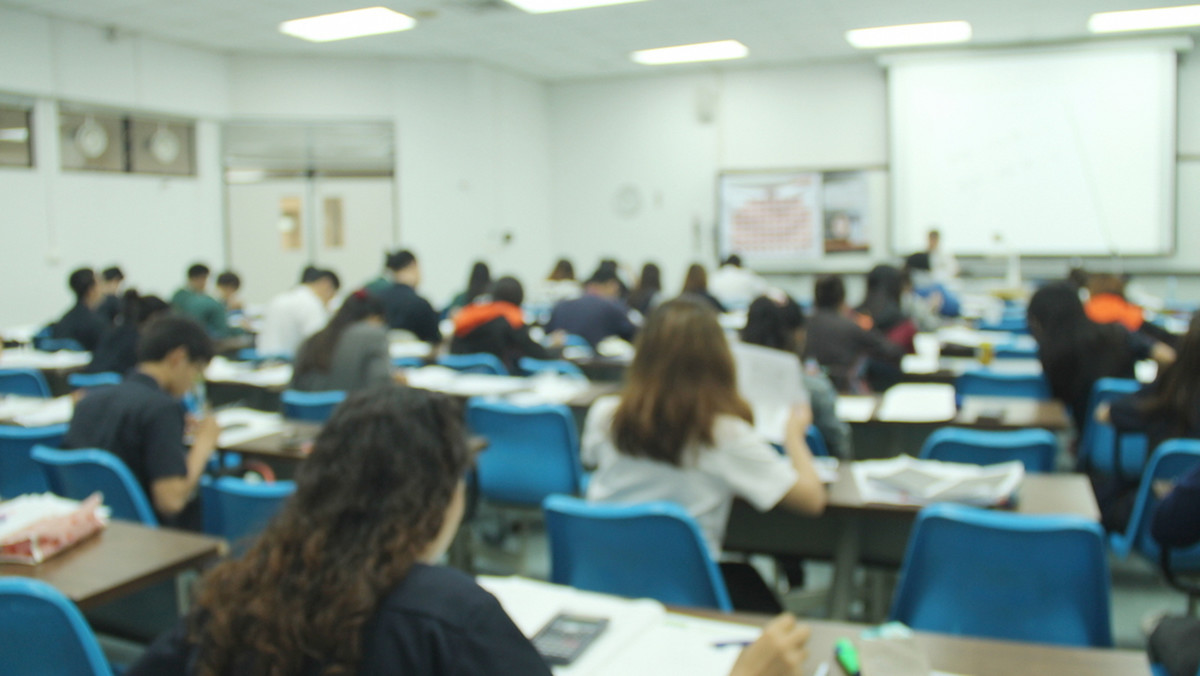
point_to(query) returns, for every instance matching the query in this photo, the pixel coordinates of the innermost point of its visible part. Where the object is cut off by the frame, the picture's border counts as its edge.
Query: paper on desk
(920, 363)
(854, 408)
(681, 644)
(772, 383)
(827, 469)
(1146, 371)
(918, 402)
(967, 337)
(531, 604)
(409, 348)
(615, 347)
(36, 411)
(733, 321)
(36, 359)
(239, 425)
(549, 388)
(222, 370)
(442, 379)
(906, 480)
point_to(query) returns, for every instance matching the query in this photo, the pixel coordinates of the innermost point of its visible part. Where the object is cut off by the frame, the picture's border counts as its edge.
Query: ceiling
(584, 43)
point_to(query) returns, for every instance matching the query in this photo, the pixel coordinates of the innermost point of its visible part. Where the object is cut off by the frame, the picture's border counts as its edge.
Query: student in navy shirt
(403, 308)
(342, 581)
(597, 314)
(81, 323)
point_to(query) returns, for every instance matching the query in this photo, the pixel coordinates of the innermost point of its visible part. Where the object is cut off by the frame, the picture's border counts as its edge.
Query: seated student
(228, 285)
(117, 351)
(350, 353)
(936, 296)
(110, 290)
(839, 344)
(883, 304)
(780, 325)
(192, 300)
(403, 308)
(81, 323)
(1174, 641)
(648, 292)
(385, 278)
(297, 314)
(558, 286)
(696, 284)
(735, 286)
(597, 314)
(495, 324)
(1075, 352)
(478, 284)
(1106, 304)
(679, 431)
(141, 421)
(344, 579)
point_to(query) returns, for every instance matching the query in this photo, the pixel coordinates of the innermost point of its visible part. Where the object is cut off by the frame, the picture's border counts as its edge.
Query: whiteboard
(1058, 152)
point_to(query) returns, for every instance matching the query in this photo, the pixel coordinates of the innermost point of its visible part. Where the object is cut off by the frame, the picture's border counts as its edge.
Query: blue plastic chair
(816, 441)
(1172, 459)
(408, 362)
(992, 384)
(1016, 351)
(48, 344)
(969, 572)
(310, 406)
(1036, 449)
(477, 362)
(652, 549)
(560, 366)
(76, 474)
(252, 354)
(1101, 449)
(19, 474)
(238, 510)
(532, 451)
(23, 382)
(1007, 323)
(42, 632)
(79, 381)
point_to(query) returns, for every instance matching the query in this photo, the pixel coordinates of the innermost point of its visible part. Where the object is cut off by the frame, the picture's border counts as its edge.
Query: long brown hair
(1178, 387)
(369, 500)
(682, 377)
(696, 280)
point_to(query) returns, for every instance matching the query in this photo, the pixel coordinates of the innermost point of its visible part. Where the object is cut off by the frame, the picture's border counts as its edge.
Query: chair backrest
(1098, 443)
(1016, 351)
(252, 354)
(651, 549)
(42, 632)
(238, 510)
(816, 441)
(1172, 459)
(476, 362)
(48, 344)
(19, 474)
(1010, 323)
(311, 406)
(560, 366)
(993, 574)
(25, 382)
(998, 384)
(85, 380)
(532, 452)
(78, 473)
(1036, 449)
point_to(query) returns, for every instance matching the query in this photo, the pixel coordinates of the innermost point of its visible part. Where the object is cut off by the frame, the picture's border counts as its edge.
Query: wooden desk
(126, 557)
(852, 532)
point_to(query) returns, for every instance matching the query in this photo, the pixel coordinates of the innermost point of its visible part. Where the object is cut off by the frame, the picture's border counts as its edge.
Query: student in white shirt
(679, 431)
(295, 315)
(735, 286)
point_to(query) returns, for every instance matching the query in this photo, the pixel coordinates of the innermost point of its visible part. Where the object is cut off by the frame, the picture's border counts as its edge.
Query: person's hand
(399, 377)
(206, 431)
(557, 339)
(778, 652)
(1102, 412)
(800, 419)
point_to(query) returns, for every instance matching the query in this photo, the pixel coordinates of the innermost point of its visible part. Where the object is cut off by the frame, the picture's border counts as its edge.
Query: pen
(847, 656)
(731, 644)
(822, 669)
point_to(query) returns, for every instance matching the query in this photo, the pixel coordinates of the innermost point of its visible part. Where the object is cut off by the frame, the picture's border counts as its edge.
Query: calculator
(565, 637)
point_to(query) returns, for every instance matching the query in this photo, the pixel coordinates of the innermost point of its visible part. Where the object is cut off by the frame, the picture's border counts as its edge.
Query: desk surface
(997, 413)
(124, 558)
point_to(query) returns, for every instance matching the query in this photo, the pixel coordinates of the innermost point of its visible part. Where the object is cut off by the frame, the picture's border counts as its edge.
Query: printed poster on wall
(772, 216)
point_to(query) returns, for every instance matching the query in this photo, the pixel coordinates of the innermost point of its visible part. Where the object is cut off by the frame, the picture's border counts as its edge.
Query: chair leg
(1192, 604)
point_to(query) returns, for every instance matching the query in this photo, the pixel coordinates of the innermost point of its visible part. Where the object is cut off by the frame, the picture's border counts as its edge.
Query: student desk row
(853, 532)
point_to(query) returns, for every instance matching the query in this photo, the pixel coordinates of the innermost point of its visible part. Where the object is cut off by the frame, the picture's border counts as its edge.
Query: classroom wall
(56, 221)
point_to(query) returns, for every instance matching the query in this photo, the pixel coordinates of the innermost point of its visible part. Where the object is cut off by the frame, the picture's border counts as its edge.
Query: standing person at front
(403, 308)
(679, 431)
(141, 420)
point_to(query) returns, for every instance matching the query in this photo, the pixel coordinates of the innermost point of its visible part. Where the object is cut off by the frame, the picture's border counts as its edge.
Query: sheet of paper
(222, 370)
(1146, 371)
(36, 359)
(918, 402)
(51, 412)
(771, 382)
(681, 644)
(854, 408)
(906, 480)
(442, 379)
(239, 425)
(409, 348)
(919, 364)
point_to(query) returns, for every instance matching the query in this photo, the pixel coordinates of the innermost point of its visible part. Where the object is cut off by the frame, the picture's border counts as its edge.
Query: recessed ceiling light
(703, 51)
(908, 35)
(1145, 19)
(355, 23)
(544, 6)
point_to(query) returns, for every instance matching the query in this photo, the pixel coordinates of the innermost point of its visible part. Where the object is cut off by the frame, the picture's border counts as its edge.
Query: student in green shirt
(193, 301)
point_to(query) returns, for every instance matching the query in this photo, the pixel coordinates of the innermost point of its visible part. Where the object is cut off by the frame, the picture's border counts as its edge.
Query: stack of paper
(918, 402)
(906, 480)
(221, 370)
(641, 637)
(36, 359)
(239, 425)
(36, 411)
(771, 382)
(855, 408)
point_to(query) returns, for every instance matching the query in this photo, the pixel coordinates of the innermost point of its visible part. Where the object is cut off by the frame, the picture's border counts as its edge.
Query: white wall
(56, 221)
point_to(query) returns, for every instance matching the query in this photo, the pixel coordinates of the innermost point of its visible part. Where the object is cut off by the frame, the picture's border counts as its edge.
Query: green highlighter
(847, 656)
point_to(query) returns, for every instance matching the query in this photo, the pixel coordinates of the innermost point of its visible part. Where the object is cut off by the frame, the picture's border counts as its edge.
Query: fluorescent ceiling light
(544, 6)
(704, 51)
(912, 34)
(1145, 19)
(355, 23)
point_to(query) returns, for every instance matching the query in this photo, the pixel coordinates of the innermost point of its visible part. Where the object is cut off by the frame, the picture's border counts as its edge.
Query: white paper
(918, 402)
(409, 348)
(1146, 371)
(49, 412)
(239, 425)
(449, 381)
(772, 383)
(615, 348)
(827, 469)
(961, 335)
(36, 359)
(855, 408)
(222, 370)
(920, 364)
(733, 321)
(549, 388)
(907, 480)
